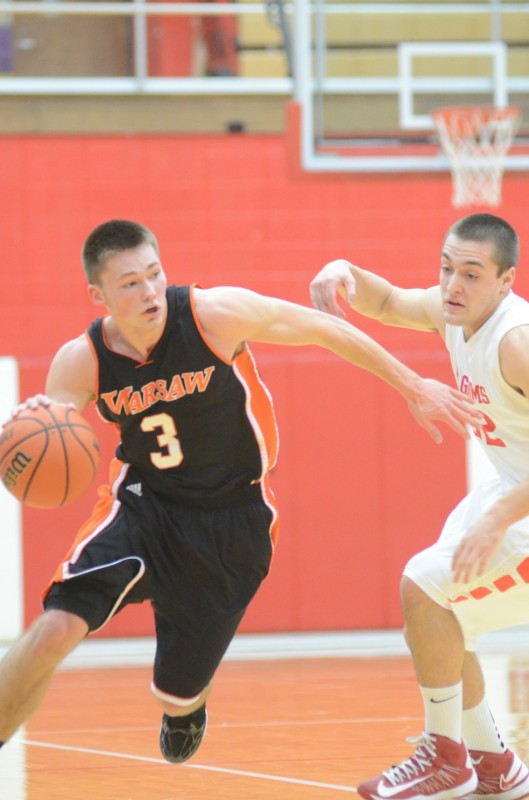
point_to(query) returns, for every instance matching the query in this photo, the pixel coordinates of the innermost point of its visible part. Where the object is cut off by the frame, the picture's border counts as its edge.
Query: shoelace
(417, 764)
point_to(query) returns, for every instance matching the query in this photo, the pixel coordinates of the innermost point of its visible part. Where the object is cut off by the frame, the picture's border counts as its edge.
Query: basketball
(49, 455)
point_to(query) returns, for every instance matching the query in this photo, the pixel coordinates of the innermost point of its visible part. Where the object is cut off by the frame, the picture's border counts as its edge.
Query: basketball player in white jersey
(475, 579)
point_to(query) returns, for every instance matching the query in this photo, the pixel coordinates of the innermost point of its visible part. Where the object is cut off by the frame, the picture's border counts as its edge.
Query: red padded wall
(361, 487)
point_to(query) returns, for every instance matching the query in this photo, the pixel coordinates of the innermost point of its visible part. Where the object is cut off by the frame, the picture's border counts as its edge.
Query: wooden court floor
(302, 729)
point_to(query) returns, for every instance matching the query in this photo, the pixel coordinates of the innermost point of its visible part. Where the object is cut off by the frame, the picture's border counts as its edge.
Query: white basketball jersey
(505, 436)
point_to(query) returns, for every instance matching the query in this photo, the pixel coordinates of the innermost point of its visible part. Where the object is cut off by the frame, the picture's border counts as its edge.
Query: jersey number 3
(167, 439)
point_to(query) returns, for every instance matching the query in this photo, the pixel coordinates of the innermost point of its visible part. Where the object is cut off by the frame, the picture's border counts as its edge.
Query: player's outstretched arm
(230, 316)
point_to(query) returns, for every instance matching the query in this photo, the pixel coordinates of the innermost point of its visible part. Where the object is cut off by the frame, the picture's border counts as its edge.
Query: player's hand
(34, 402)
(31, 402)
(475, 550)
(437, 402)
(335, 278)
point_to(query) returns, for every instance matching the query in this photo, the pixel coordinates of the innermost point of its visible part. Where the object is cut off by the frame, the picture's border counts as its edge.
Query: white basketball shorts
(500, 598)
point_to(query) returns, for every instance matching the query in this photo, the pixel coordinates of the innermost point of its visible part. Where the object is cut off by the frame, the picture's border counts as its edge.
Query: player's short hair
(489, 228)
(113, 237)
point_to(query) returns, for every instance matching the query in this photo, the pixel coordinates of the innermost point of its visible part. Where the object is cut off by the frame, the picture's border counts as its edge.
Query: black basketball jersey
(196, 427)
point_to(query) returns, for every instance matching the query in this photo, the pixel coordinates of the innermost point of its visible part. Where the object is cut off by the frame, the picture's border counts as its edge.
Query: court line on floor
(203, 767)
(259, 724)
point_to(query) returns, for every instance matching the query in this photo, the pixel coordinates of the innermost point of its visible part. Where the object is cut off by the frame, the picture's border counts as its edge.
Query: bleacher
(63, 56)
(362, 44)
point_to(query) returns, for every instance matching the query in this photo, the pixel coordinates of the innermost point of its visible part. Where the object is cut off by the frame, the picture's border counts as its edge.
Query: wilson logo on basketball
(49, 455)
(15, 469)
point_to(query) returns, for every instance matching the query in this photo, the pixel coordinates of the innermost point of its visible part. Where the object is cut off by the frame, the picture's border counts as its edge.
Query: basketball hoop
(475, 139)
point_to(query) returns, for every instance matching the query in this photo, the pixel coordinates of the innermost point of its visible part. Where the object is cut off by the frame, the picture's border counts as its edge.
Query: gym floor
(302, 717)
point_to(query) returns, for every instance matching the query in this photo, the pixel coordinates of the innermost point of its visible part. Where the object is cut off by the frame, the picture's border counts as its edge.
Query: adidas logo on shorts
(135, 488)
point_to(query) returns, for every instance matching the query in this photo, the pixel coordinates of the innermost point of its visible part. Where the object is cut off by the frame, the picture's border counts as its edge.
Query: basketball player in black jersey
(188, 520)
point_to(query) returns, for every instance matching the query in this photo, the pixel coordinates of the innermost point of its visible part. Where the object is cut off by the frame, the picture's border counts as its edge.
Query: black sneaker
(180, 737)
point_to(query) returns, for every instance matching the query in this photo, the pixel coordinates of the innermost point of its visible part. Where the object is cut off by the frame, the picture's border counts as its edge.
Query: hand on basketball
(34, 402)
(31, 402)
(437, 402)
(335, 278)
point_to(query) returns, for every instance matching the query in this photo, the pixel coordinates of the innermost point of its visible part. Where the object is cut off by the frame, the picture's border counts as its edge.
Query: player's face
(471, 288)
(132, 287)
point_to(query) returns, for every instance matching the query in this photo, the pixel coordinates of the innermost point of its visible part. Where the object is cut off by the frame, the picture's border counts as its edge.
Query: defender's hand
(335, 278)
(475, 550)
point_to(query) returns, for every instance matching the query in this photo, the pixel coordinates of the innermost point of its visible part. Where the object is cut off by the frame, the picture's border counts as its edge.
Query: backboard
(369, 75)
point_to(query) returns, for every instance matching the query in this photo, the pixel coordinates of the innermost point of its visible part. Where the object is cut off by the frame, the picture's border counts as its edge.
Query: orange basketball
(49, 456)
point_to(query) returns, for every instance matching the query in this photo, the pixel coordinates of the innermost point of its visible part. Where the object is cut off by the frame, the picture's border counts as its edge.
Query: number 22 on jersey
(485, 433)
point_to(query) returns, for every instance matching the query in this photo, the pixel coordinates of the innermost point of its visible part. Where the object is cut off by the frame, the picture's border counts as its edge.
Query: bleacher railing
(318, 14)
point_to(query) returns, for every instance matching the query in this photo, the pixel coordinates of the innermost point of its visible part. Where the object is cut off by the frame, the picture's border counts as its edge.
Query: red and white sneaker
(439, 769)
(500, 775)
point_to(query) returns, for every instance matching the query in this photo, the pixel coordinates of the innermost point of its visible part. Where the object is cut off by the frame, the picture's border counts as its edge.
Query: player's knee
(413, 599)
(55, 634)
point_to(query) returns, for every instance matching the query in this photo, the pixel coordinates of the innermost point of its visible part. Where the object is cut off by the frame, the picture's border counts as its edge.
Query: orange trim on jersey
(104, 510)
(259, 404)
(259, 409)
(270, 500)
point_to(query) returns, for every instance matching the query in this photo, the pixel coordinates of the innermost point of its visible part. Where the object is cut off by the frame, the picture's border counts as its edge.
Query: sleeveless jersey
(476, 365)
(197, 428)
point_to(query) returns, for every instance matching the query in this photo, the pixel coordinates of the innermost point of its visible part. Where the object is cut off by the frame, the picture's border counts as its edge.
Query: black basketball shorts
(199, 568)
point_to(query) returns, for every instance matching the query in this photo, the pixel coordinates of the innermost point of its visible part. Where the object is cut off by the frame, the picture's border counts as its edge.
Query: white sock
(480, 731)
(443, 710)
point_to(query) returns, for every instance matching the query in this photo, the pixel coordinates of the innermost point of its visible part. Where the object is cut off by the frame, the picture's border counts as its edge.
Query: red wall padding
(361, 487)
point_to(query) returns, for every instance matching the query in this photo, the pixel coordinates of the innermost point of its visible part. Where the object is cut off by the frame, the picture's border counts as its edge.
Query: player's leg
(501, 774)
(187, 659)
(441, 635)
(73, 607)
(443, 620)
(437, 644)
(217, 562)
(29, 665)
(434, 637)
(441, 767)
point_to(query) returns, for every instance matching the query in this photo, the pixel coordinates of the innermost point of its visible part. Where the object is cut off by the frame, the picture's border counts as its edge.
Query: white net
(476, 141)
